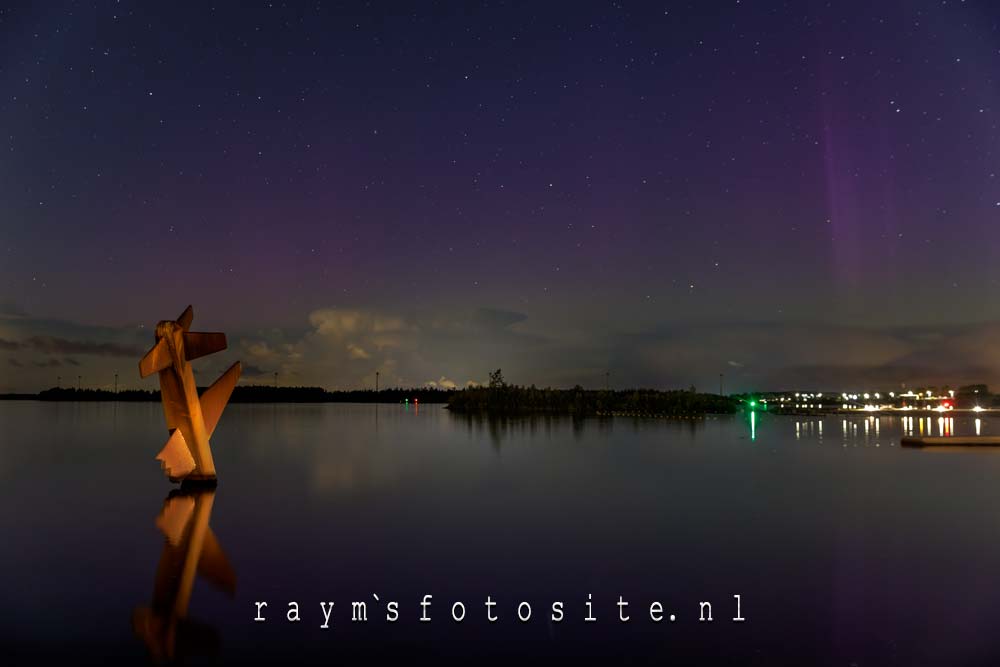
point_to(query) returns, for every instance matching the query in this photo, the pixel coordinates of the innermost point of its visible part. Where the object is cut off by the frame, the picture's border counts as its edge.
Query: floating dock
(951, 441)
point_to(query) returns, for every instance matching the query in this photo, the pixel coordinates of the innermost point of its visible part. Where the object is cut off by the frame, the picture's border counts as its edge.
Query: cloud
(252, 371)
(811, 355)
(496, 319)
(53, 345)
(344, 348)
(356, 352)
(96, 352)
(346, 323)
(11, 309)
(441, 383)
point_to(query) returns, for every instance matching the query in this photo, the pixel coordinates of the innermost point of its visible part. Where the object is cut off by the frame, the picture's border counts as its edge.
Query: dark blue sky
(795, 194)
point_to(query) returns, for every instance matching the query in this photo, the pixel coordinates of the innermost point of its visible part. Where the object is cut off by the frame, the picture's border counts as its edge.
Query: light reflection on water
(843, 545)
(867, 430)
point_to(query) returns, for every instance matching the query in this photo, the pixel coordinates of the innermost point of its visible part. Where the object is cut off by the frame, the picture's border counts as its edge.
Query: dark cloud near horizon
(54, 345)
(814, 355)
(252, 371)
(11, 309)
(63, 346)
(39, 345)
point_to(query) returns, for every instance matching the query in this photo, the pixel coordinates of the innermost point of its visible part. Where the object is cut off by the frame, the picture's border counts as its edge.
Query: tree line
(502, 398)
(259, 394)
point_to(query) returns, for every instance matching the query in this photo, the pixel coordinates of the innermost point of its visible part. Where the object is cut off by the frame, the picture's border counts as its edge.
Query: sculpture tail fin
(156, 359)
(186, 318)
(215, 398)
(175, 457)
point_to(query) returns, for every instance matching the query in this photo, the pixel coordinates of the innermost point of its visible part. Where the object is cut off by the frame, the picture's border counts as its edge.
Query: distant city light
(867, 401)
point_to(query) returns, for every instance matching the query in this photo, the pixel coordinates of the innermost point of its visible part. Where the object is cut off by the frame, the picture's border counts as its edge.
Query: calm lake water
(843, 547)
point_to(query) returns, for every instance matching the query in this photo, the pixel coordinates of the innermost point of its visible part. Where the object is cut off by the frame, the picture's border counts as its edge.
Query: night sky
(797, 195)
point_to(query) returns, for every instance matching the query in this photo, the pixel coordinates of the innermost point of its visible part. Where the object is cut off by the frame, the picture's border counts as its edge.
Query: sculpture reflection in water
(190, 549)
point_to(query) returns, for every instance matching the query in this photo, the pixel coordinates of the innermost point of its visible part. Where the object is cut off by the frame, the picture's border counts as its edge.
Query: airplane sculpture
(190, 419)
(190, 549)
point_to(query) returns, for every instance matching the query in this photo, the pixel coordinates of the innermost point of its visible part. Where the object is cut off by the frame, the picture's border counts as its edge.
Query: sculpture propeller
(190, 419)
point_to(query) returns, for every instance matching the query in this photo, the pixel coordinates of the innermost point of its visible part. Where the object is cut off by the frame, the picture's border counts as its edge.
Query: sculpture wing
(214, 566)
(199, 344)
(215, 398)
(156, 359)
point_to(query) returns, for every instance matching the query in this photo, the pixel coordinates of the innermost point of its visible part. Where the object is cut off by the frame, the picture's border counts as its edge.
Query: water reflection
(190, 549)
(686, 510)
(882, 430)
(500, 428)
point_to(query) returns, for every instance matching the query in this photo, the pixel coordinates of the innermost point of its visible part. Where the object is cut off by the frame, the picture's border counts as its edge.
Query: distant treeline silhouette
(499, 398)
(502, 398)
(255, 394)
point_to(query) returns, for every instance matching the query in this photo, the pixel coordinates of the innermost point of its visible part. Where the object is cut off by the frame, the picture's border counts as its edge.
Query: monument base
(199, 481)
